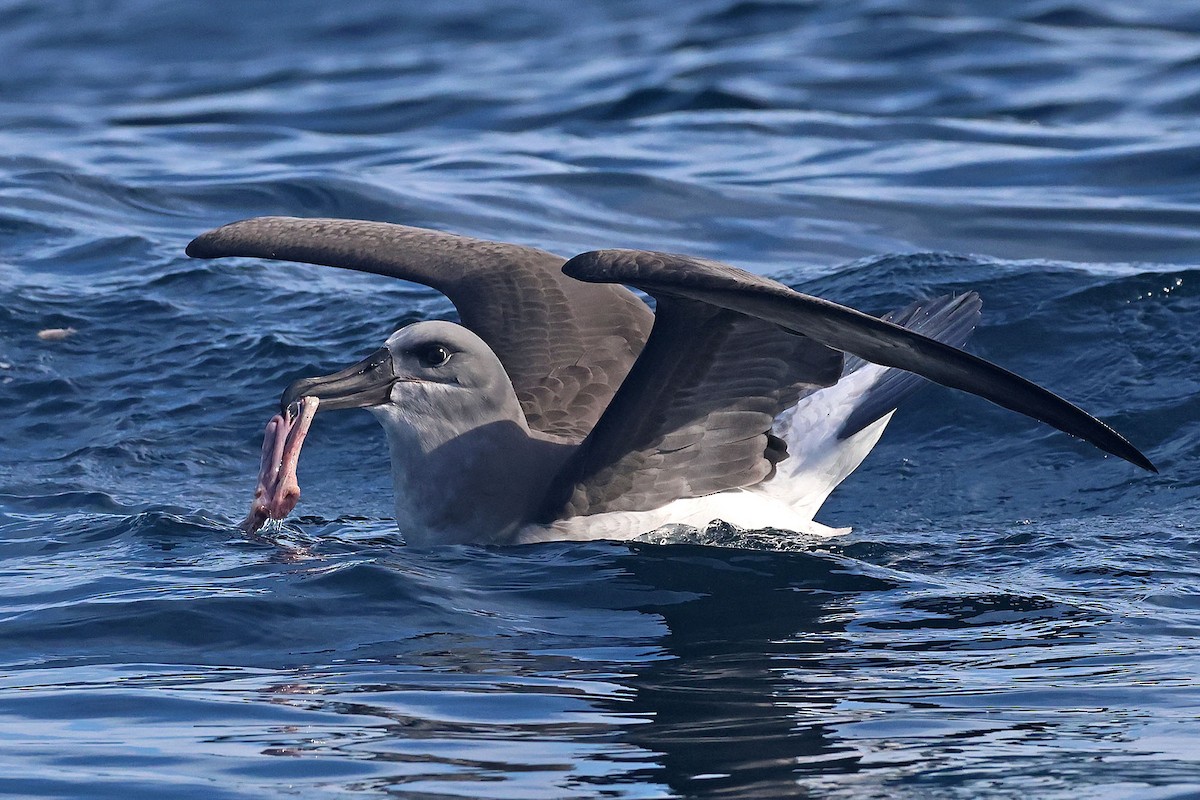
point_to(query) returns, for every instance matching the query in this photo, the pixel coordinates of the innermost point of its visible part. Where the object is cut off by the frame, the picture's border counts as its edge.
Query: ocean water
(1014, 615)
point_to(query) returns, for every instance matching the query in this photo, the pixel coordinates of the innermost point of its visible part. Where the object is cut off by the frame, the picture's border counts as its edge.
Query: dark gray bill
(367, 383)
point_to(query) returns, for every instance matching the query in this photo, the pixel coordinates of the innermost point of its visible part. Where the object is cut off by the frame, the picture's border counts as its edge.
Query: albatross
(562, 407)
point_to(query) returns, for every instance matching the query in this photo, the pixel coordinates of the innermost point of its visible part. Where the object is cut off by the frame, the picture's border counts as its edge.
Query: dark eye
(434, 355)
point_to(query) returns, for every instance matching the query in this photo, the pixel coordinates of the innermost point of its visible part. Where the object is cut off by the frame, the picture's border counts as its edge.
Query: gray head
(436, 379)
(463, 463)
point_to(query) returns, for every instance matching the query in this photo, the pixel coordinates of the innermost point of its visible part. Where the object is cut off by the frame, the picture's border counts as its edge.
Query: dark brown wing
(565, 344)
(843, 328)
(694, 416)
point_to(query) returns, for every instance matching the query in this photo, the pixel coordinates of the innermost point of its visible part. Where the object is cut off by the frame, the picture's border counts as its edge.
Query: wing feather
(566, 345)
(842, 328)
(694, 416)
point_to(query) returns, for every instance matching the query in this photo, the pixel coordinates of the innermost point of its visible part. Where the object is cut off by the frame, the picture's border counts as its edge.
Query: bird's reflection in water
(641, 665)
(731, 713)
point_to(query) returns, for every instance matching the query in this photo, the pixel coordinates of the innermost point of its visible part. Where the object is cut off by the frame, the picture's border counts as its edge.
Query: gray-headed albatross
(564, 408)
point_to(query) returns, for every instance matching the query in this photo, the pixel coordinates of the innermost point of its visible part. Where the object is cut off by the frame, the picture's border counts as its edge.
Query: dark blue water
(1013, 616)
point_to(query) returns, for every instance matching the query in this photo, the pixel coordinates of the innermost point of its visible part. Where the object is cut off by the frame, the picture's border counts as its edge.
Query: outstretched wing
(566, 345)
(701, 282)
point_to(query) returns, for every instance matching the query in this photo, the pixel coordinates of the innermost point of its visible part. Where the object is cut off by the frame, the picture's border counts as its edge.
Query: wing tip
(202, 246)
(230, 239)
(215, 243)
(1105, 438)
(1137, 458)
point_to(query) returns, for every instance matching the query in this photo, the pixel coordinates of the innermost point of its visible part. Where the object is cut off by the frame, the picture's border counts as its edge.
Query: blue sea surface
(1014, 614)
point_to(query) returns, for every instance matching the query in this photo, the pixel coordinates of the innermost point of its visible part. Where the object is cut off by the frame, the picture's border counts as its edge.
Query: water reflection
(615, 669)
(730, 712)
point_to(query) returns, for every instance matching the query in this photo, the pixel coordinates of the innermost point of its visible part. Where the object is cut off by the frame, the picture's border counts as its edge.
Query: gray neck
(476, 485)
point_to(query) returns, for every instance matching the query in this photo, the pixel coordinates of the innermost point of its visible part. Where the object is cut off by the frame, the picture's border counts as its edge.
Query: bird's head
(437, 378)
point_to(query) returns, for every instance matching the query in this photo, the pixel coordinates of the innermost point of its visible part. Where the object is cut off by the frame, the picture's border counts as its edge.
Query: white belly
(746, 508)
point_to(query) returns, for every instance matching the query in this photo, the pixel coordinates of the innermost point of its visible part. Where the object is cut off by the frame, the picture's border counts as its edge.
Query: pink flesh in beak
(278, 490)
